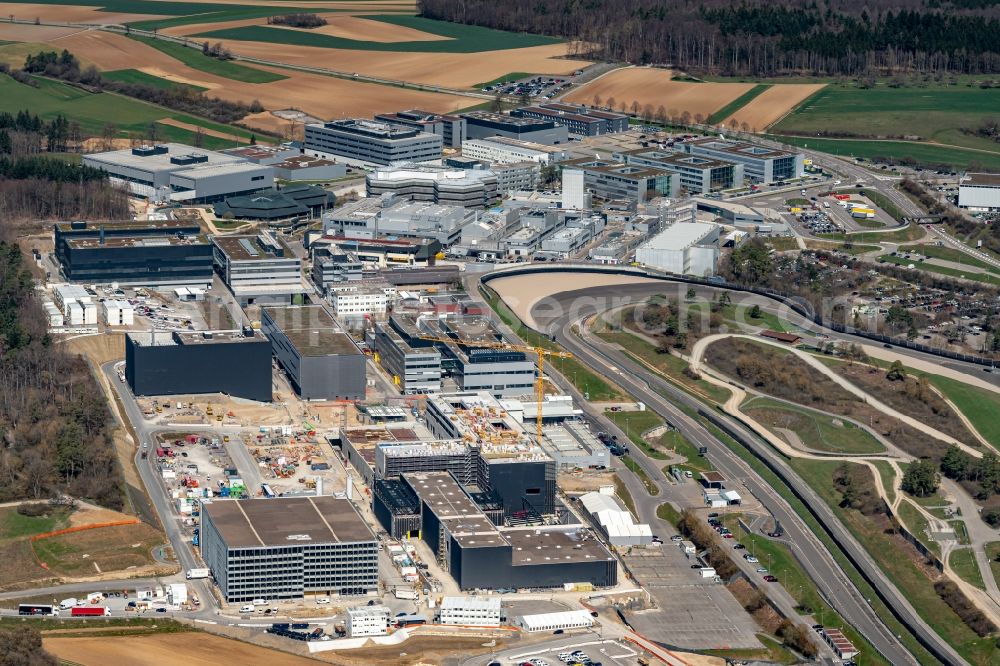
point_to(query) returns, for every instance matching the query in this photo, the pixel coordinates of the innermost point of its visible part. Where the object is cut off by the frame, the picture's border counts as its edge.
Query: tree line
(836, 37)
(300, 20)
(66, 67)
(54, 422)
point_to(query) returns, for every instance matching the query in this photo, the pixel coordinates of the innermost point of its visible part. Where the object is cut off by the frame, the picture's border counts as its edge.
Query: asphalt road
(832, 582)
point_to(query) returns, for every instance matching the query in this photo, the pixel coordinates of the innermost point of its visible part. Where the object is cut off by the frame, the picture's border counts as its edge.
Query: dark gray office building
(321, 362)
(458, 527)
(285, 547)
(483, 125)
(170, 252)
(367, 142)
(580, 120)
(450, 128)
(237, 363)
(415, 364)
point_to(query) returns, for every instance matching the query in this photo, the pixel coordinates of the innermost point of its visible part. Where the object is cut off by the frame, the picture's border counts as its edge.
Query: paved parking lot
(691, 612)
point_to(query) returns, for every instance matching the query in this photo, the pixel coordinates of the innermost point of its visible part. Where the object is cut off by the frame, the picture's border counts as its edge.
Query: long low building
(237, 363)
(615, 180)
(698, 174)
(615, 522)
(579, 120)
(286, 547)
(760, 163)
(979, 192)
(469, 188)
(484, 124)
(176, 172)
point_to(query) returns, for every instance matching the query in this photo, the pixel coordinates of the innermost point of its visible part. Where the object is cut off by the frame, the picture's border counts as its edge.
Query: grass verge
(640, 472)
(624, 495)
(963, 562)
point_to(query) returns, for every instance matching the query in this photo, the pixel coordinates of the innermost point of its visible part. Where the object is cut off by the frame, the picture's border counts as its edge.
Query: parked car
(771, 579)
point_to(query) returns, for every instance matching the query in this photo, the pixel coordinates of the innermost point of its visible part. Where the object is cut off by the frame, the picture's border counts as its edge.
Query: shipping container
(96, 611)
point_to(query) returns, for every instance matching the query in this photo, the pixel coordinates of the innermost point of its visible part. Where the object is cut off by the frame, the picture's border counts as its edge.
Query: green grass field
(949, 254)
(993, 555)
(197, 60)
(816, 430)
(511, 76)
(93, 110)
(737, 104)
(142, 78)
(902, 571)
(460, 38)
(986, 278)
(14, 525)
(934, 113)
(963, 563)
(920, 152)
(634, 424)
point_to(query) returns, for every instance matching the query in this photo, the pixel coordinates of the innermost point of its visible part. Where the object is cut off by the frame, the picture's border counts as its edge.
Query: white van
(248, 608)
(259, 602)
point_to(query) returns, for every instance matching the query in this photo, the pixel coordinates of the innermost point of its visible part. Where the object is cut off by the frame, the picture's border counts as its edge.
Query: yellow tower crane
(540, 352)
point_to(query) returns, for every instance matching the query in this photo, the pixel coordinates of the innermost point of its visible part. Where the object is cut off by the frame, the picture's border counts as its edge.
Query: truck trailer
(193, 574)
(91, 611)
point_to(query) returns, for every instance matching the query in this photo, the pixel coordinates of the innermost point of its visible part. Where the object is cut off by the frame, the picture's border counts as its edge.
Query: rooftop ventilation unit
(190, 158)
(248, 246)
(149, 151)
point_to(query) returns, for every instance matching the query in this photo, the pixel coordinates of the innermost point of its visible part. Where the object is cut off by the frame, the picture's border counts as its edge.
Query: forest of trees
(66, 67)
(35, 186)
(835, 37)
(53, 417)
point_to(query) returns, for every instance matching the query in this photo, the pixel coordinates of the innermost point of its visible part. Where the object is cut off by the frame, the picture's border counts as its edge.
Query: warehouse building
(176, 172)
(471, 611)
(367, 142)
(979, 192)
(237, 363)
(168, 252)
(480, 555)
(413, 363)
(451, 129)
(321, 362)
(559, 621)
(484, 125)
(760, 164)
(504, 150)
(570, 444)
(579, 120)
(286, 547)
(614, 521)
(614, 180)
(698, 175)
(683, 248)
(259, 268)
(469, 188)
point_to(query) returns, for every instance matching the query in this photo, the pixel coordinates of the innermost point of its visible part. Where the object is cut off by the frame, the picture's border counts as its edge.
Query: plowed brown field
(186, 649)
(647, 85)
(773, 104)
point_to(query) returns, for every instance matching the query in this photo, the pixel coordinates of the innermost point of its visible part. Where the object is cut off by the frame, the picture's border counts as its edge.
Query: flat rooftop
(135, 241)
(165, 156)
(619, 169)
(500, 118)
(165, 226)
(669, 159)
(461, 516)
(534, 545)
(287, 521)
(370, 128)
(312, 330)
(259, 247)
(681, 235)
(738, 148)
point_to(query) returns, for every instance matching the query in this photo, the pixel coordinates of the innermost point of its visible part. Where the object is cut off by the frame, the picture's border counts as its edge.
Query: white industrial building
(576, 619)
(118, 312)
(359, 302)
(684, 248)
(574, 192)
(368, 621)
(76, 304)
(504, 150)
(177, 594)
(615, 521)
(471, 611)
(979, 192)
(55, 316)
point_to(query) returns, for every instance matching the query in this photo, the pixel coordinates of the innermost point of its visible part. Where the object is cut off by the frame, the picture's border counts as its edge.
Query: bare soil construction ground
(773, 104)
(648, 85)
(186, 649)
(319, 95)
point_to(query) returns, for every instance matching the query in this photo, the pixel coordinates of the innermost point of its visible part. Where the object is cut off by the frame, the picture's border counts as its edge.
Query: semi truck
(193, 574)
(94, 611)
